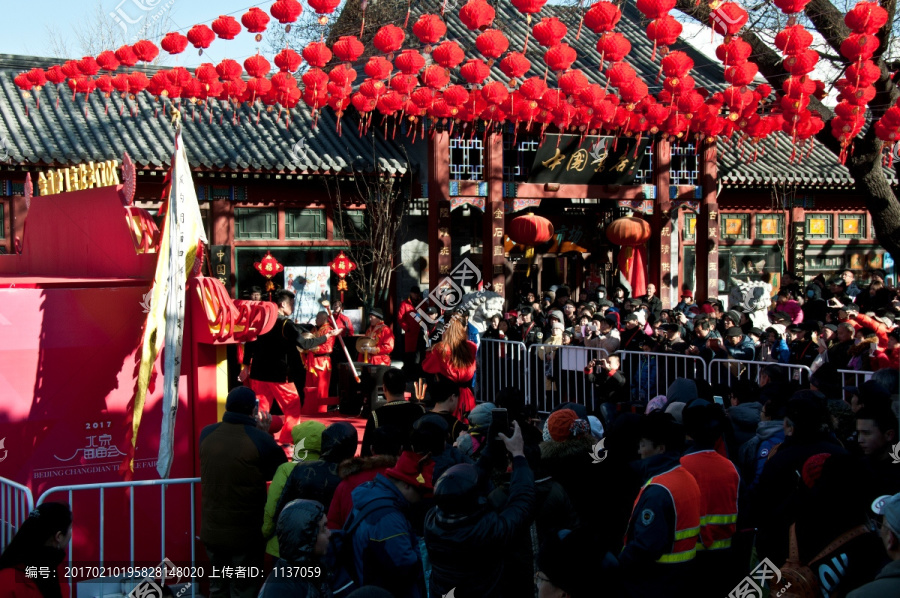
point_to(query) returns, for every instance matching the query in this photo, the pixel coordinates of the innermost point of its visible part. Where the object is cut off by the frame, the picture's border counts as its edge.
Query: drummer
(382, 339)
(318, 359)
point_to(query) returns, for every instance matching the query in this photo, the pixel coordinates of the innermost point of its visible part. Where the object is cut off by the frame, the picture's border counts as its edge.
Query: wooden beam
(561, 191)
(707, 228)
(494, 263)
(439, 242)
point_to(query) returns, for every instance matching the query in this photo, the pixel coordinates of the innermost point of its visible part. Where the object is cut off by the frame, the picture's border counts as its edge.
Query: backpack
(340, 556)
(764, 452)
(799, 580)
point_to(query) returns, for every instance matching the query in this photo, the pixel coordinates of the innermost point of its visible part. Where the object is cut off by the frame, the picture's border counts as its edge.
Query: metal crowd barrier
(854, 377)
(651, 374)
(736, 371)
(146, 525)
(501, 364)
(555, 375)
(16, 502)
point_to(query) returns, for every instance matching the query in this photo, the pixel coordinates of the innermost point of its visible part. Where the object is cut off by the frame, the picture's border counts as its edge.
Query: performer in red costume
(318, 362)
(454, 358)
(380, 354)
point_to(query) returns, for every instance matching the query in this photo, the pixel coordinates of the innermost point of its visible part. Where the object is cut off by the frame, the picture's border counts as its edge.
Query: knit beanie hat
(241, 400)
(565, 424)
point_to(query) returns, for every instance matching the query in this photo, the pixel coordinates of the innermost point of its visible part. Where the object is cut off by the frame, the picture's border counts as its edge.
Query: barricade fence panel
(854, 377)
(729, 372)
(651, 374)
(501, 364)
(16, 502)
(556, 375)
(150, 522)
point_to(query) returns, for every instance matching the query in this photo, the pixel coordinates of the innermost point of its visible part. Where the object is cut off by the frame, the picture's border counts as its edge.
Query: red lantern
(389, 39)
(859, 46)
(742, 74)
(866, 17)
(602, 17)
(613, 47)
(456, 95)
(514, 65)
(37, 77)
(631, 234)
(379, 67)
(316, 54)
(621, 74)
(107, 60)
(255, 20)
(477, 14)
(533, 88)
(288, 61)
(549, 32)
(342, 75)
(324, 7)
(448, 54)
(664, 31)
(791, 6)
(676, 64)
(429, 29)
(269, 268)
(257, 66)
(372, 88)
(634, 91)
(88, 66)
(530, 230)
(474, 71)
(735, 51)
(348, 48)
(492, 43)
(22, 82)
(137, 82)
(226, 27)
(229, 70)
(560, 57)
(728, 18)
(793, 40)
(144, 50)
(404, 84)
(435, 76)
(572, 82)
(654, 9)
(126, 56)
(529, 7)
(494, 93)
(863, 74)
(802, 62)
(286, 11)
(410, 62)
(174, 43)
(201, 36)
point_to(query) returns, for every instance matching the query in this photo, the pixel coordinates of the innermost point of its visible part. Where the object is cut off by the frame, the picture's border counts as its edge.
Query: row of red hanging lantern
(857, 87)
(401, 81)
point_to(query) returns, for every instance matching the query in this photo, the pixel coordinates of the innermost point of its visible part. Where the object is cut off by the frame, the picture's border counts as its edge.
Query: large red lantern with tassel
(144, 50)
(226, 27)
(389, 39)
(429, 29)
(549, 32)
(317, 54)
(631, 233)
(728, 18)
(602, 17)
(288, 61)
(529, 7)
(530, 230)
(174, 43)
(201, 36)
(866, 17)
(255, 20)
(492, 43)
(449, 55)
(348, 48)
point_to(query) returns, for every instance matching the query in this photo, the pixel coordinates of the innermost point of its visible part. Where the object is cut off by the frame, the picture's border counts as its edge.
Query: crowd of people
(631, 495)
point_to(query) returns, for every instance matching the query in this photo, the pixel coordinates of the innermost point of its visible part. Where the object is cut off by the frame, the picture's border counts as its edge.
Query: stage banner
(311, 285)
(589, 160)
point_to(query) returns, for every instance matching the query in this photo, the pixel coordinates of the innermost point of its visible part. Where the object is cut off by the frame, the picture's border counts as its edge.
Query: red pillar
(494, 263)
(439, 258)
(708, 226)
(661, 262)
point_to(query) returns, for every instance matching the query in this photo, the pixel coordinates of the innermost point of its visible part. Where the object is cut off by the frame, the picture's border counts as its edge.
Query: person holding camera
(610, 386)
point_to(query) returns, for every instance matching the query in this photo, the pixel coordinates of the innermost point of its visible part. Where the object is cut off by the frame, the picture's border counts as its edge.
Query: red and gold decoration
(632, 234)
(269, 268)
(342, 266)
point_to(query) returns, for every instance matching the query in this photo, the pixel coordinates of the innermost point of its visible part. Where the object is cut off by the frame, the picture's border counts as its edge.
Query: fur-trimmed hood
(579, 447)
(360, 464)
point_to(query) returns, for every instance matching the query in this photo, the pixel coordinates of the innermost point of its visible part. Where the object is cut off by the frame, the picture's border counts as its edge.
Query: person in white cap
(887, 582)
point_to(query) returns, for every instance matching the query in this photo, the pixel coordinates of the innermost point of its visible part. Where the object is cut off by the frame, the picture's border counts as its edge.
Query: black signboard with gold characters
(589, 160)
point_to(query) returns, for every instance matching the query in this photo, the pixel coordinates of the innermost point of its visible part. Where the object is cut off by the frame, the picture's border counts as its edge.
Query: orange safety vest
(718, 481)
(685, 493)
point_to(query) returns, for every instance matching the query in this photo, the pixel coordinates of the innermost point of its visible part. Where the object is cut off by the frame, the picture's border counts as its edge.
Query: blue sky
(29, 35)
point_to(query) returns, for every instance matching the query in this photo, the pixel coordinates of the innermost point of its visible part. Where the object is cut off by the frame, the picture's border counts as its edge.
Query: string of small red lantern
(403, 83)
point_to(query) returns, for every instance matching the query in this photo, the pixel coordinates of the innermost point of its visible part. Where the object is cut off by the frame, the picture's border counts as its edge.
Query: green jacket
(310, 432)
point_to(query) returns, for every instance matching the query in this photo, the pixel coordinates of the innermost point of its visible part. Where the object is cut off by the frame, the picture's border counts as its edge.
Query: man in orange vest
(719, 481)
(664, 529)
(380, 354)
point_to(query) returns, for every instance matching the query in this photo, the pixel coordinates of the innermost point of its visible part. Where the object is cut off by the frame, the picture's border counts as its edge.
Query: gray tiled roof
(63, 135)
